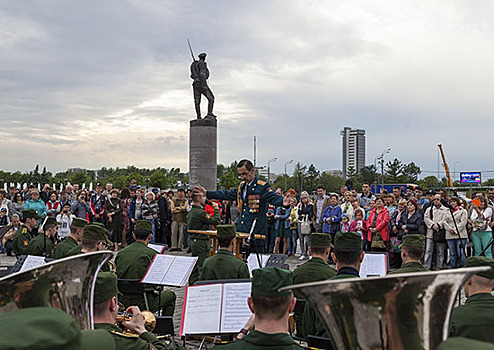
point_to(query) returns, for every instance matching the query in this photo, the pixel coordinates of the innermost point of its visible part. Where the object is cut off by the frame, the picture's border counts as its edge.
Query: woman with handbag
(377, 224)
(305, 212)
(482, 231)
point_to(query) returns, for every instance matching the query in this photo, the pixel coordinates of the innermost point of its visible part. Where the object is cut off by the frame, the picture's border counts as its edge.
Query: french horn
(66, 284)
(398, 312)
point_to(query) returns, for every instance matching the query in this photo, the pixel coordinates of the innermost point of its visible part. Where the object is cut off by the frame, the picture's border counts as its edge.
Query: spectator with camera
(65, 220)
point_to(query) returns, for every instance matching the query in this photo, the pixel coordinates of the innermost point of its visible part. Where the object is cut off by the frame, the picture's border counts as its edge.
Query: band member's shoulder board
(24, 230)
(260, 182)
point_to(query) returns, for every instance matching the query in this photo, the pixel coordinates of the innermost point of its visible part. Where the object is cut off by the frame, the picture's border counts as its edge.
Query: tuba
(399, 312)
(66, 284)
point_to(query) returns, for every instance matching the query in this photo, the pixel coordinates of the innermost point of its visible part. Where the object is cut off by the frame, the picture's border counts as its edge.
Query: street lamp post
(454, 171)
(286, 163)
(269, 169)
(381, 157)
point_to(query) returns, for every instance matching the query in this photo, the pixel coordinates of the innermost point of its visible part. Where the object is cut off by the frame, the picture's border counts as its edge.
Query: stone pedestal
(202, 153)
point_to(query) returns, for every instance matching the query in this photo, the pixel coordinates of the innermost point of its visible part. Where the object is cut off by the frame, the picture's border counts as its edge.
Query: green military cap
(98, 232)
(78, 222)
(31, 213)
(348, 241)
(51, 221)
(474, 261)
(267, 281)
(226, 231)
(320, 240)
(414, 241)
(105, 287)
(100, 224)
(460, 343)
(143, 225)
(48, 328)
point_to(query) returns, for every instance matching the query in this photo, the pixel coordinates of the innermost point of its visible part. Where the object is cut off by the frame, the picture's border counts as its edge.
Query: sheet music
(235, 310)
(202, 310)
(32, 261)
(156, 272)
(253, 264)
(157, 247)
(373, 265)
(179, 272)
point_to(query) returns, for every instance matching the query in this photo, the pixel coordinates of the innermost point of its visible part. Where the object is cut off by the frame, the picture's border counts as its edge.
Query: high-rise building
(353, 150)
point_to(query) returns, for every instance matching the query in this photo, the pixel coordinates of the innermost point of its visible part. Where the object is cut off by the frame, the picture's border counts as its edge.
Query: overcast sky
(106, 83)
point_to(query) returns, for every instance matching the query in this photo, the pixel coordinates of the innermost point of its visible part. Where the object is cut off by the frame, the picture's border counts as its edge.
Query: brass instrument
(396, 312)
(148, 317)
(66, 284)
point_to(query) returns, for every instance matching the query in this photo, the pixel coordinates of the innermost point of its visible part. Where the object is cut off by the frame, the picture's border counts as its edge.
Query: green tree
(80, 178)
(394, 169)
(429, 183)
(411, 171)
(331, 183)
(158, 179)
(368, 174)
(299, 174)
(312, 176)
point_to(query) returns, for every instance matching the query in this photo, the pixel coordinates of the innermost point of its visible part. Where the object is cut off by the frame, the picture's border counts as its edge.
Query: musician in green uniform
(133, 261)
(252, 196)
(412, 252)
(43, 243)
(198, 219)
(105, 313)
(316, 269)
(44, 328)
(24, 234)
(348, 256)
(475, 319)
(224, 264)
(461, 343)
(94, 239)
(271, 309)
(73, 240)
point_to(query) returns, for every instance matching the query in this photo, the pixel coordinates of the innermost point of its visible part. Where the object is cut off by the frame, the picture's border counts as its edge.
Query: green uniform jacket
(475, 319)
(258, 195)
(198, 219)
(123, 342)
(224, 265)
(259, 340)
(132, 263)
(62, 249)
(409, 267)
(40, 246)
(21, 239)
(312, 324)
(316, 269)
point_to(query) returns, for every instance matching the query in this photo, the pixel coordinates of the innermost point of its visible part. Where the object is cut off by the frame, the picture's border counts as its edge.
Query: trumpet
(148, 317)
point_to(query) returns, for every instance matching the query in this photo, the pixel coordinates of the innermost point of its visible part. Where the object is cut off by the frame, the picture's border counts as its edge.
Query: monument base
(203, 153)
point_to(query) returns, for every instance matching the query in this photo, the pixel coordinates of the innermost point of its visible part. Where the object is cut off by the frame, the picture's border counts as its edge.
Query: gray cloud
(94, 84)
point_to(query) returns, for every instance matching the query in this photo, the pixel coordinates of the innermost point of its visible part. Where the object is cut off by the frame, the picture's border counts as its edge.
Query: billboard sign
(470, 178)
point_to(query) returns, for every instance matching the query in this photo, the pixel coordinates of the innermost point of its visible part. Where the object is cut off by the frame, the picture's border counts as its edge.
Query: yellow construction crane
(450, 183)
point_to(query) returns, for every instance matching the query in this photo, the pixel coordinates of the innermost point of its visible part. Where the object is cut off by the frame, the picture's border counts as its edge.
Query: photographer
(65, 219)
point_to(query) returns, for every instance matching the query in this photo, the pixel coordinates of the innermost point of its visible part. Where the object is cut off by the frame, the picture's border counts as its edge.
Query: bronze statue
(200, 73)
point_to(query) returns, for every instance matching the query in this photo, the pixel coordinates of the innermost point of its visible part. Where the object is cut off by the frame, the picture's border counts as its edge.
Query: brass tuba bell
(397, 312)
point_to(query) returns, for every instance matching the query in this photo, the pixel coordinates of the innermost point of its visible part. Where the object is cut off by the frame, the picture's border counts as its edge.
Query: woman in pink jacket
(377, 225)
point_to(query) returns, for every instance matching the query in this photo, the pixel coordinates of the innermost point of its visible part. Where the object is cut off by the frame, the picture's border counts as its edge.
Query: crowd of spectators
(454, 227)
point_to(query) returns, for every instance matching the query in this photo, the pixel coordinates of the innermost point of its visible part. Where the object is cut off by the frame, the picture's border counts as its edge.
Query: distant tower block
(203, 153)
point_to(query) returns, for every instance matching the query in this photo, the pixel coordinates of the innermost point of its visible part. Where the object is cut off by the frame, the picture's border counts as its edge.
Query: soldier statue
(199, 72)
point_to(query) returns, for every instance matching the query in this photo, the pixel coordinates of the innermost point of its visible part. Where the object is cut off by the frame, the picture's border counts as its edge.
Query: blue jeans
(293, 246)
(457, 254)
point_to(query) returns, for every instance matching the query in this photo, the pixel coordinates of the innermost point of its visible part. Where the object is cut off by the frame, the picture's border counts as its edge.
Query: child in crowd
(4, 219)
(359, 225)
(345, 224)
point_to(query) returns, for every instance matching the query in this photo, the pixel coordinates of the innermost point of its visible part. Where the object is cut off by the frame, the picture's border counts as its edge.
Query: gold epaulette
(125, 334)
(260, 182)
